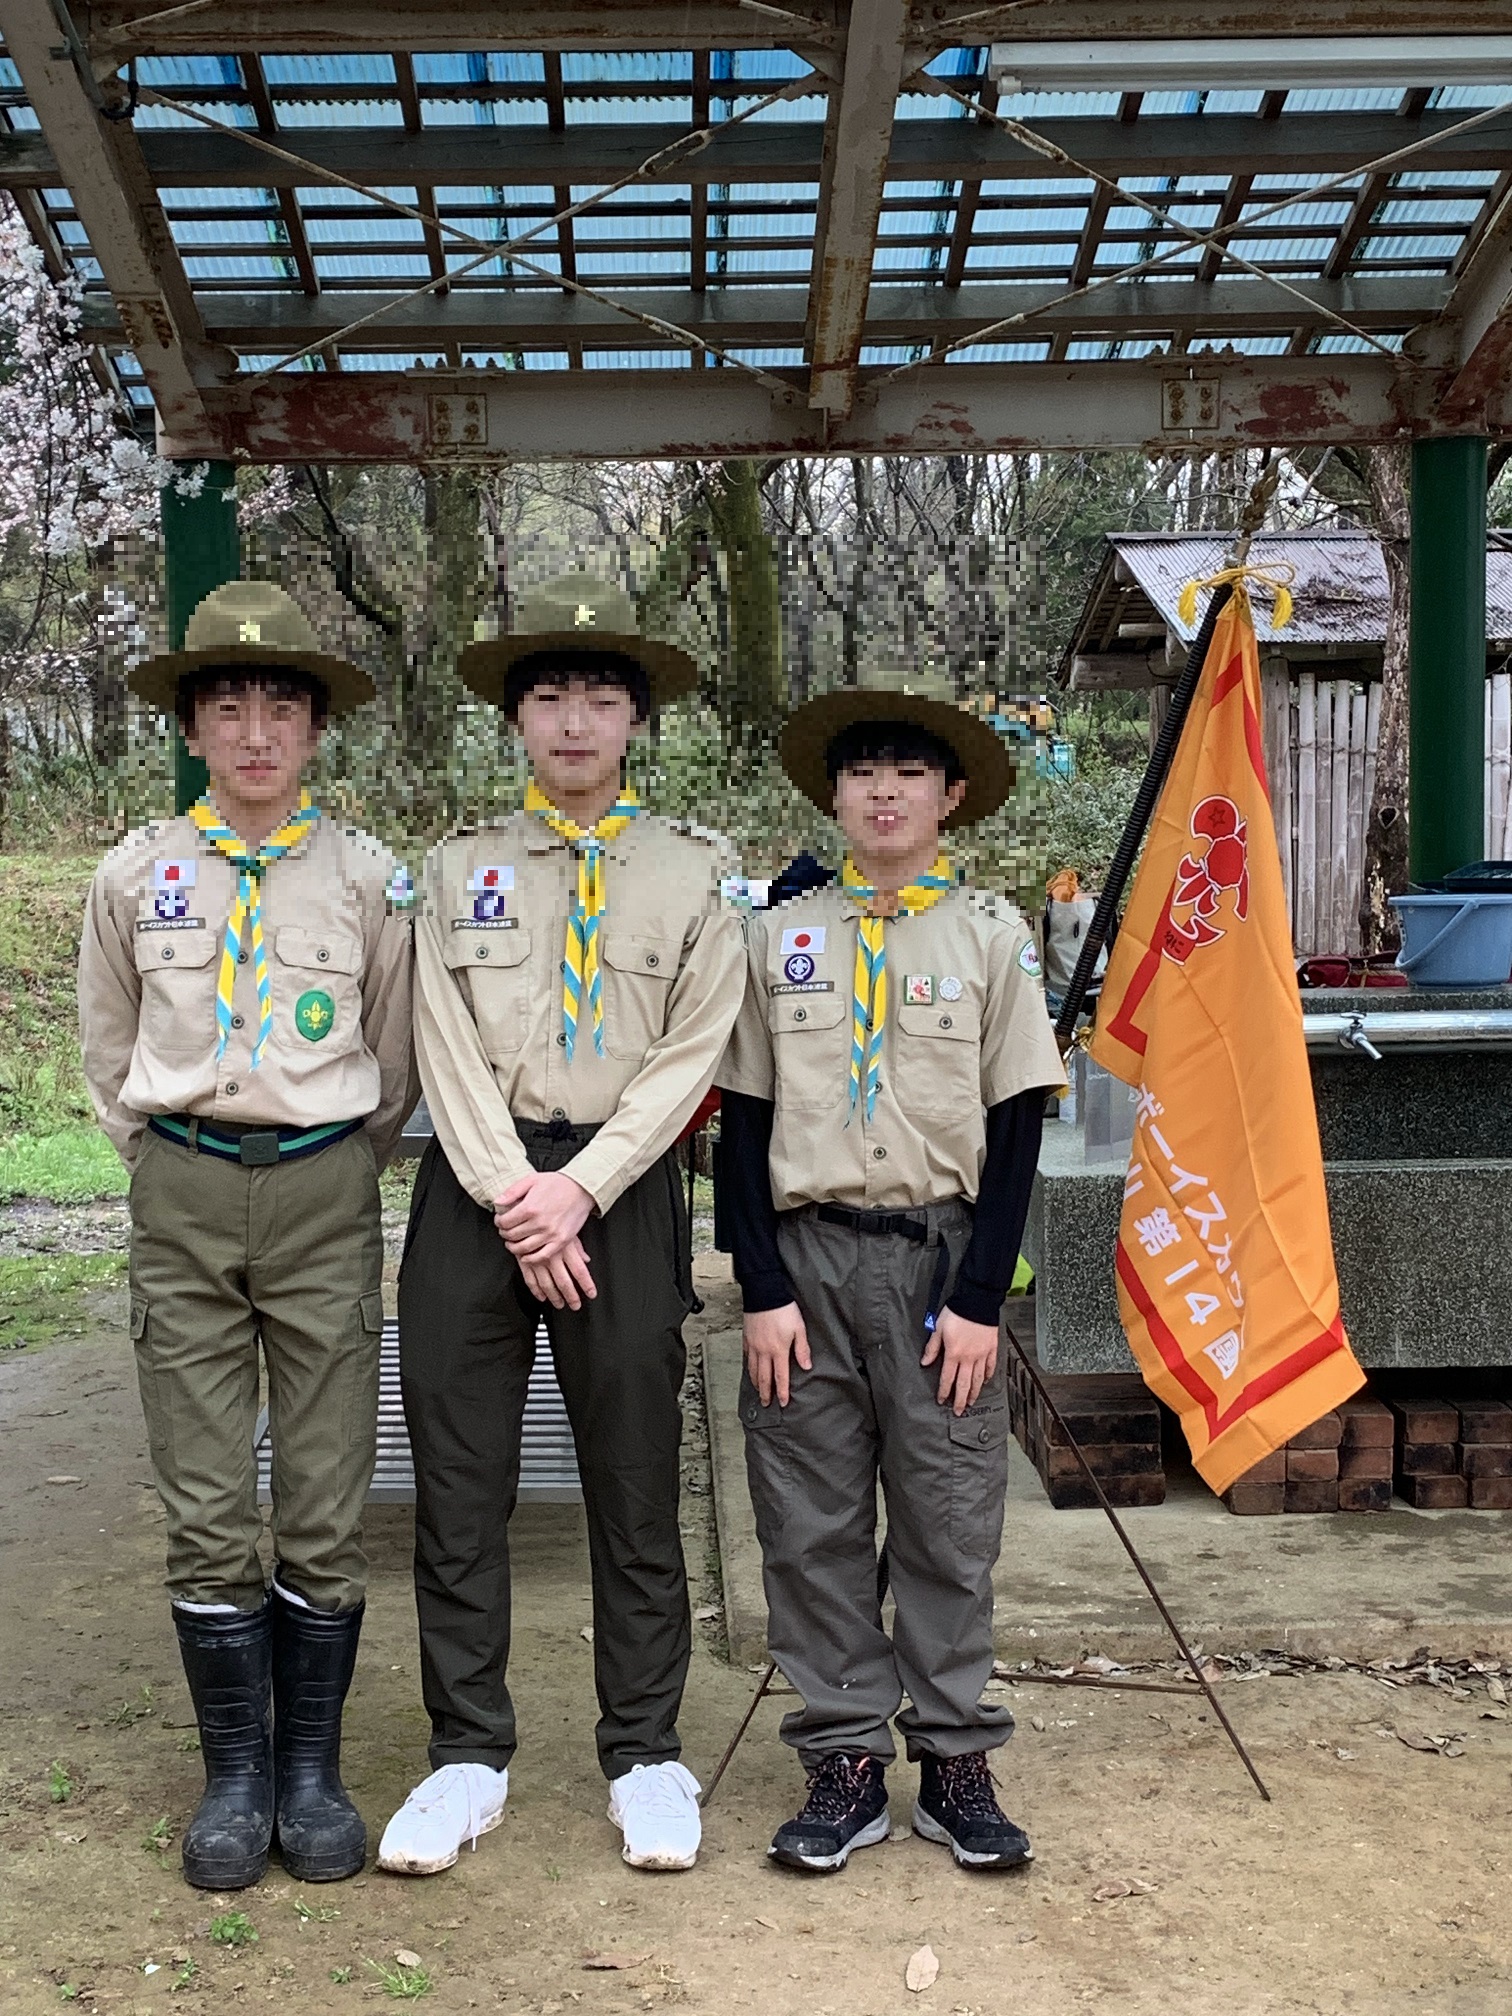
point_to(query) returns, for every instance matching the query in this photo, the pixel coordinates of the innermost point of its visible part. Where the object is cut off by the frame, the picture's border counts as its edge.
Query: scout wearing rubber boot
(876, 1210)
(244, 1002)
(576, 986)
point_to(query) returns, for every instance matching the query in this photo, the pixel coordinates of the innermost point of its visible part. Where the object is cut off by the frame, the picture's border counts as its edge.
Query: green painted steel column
(1447, 678)
(201, 549)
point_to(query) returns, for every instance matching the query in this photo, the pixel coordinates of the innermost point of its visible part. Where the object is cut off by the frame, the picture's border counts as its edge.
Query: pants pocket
(978, 1479)
(767, 1469)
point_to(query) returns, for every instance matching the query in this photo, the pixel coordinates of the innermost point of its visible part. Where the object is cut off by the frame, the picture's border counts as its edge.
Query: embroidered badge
(401, 888)
(951, 988)
(171, 883)
(314, 1013)
(918, 990)
(488, 886)
(801, 938)
(798, 966)
(1029, 961)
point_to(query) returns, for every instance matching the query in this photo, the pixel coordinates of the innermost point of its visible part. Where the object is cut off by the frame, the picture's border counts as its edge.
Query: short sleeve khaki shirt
(149, 961)
(966, 1028)
(488, 1018)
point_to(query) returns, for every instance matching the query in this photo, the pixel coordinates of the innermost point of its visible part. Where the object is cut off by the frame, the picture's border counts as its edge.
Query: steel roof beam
(944, 150)
(1481, 309)
(541, 316)
(1200, 405)
(113, 196)
(857, 136)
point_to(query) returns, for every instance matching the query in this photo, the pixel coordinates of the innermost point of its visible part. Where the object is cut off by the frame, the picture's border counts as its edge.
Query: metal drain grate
(548, 1460)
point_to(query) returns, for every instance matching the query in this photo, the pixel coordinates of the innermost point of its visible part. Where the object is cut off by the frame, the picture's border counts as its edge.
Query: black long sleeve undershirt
(986, 1273)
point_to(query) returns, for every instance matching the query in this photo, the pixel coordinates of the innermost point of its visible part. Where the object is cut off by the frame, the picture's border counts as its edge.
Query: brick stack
(1454, 1450)
(1342, 1463)
(1116, 1421)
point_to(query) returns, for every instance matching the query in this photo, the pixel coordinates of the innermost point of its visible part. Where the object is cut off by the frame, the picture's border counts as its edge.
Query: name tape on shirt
(805, 938)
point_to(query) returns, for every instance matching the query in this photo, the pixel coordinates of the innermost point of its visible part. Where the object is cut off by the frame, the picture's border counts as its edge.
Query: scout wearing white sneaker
(655, 1807)
(455, 1804)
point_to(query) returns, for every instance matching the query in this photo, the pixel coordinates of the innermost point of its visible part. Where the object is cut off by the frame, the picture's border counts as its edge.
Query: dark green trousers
(467, 1330)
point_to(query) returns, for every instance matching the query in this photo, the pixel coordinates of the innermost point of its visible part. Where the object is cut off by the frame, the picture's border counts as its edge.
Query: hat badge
(583, 617)
(250, 632)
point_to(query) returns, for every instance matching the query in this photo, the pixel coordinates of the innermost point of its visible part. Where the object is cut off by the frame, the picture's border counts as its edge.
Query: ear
(951, 796)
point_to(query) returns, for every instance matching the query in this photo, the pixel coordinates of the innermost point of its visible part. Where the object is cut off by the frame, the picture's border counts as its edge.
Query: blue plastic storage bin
(1455, 940)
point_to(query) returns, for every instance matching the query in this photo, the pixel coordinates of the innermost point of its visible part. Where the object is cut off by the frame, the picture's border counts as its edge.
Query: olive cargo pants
(224, 1256)
(467, 1331)
(868, 1409)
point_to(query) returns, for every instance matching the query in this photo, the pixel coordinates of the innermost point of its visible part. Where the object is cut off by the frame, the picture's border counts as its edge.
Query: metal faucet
(1353, 1037)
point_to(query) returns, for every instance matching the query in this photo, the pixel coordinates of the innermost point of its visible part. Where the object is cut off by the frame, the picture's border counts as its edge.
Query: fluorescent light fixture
(1255, 62)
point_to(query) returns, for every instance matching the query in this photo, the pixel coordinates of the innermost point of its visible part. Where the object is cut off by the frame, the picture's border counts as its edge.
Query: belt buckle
(259, 1150)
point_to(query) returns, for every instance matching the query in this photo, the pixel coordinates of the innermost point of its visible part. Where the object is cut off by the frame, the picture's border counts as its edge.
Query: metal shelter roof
(871, 246)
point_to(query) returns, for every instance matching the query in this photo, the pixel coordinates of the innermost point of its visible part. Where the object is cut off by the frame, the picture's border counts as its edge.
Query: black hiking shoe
(958, 1808)
(228, 1660)
(846, 1808)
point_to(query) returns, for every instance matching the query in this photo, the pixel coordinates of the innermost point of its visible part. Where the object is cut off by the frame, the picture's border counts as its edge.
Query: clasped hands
(539, 1218)
(968, 1353)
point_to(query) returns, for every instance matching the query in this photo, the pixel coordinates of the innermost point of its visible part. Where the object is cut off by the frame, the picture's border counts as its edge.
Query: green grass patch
(40, 1295)
(41, 907)
(75, 1165)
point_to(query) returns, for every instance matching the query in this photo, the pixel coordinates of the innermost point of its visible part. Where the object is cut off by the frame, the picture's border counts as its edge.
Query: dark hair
(282, 682)
(891, 742)
(594, 668)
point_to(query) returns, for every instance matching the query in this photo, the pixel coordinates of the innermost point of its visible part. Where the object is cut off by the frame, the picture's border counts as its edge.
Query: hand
(970, 1357)
(559, 1279)
(539, 1216)
(770, 1335)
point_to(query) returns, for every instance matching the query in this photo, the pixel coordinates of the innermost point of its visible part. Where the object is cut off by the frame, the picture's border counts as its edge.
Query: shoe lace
(967, 1783)
(835, 1787)
(658, 1794)
(437, 1789)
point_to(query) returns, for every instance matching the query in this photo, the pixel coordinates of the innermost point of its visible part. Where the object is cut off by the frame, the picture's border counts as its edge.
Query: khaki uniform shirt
(966, 1028)
(147, 984)
(488, 1010)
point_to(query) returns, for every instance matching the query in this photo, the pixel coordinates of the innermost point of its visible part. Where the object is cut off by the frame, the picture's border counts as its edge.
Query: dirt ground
(1376, 1880)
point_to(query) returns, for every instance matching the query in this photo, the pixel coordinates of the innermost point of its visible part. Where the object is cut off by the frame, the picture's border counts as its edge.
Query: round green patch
(314, 1014)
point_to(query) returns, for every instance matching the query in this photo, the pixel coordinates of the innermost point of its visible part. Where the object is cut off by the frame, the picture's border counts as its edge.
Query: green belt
(255, 1147)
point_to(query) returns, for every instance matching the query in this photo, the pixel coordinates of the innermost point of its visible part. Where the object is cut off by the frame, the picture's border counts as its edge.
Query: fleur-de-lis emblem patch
(250, 632)
(314, 1014)
(583, 616)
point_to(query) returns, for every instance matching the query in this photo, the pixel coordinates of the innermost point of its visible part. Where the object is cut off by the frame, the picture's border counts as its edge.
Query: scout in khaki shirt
(882, 1099)
(244, 1003)
(576, 985)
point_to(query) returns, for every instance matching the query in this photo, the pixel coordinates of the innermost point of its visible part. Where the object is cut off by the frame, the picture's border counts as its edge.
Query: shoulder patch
(1029, 960)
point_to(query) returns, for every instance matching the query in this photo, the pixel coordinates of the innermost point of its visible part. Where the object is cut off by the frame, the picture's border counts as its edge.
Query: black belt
(900, 1225)
(254, 1147)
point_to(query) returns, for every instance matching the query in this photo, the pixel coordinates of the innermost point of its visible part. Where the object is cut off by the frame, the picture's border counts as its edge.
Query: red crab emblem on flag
(1202, 879)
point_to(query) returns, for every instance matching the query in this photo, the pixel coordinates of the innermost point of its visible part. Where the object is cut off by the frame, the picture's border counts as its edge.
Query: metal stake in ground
(1037, 1381)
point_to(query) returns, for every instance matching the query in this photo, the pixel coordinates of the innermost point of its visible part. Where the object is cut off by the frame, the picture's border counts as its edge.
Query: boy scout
(244, 1002)
(576, 984)
(882, 1015)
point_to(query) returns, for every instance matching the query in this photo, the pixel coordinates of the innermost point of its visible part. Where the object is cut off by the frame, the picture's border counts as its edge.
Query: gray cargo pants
(868, 1408)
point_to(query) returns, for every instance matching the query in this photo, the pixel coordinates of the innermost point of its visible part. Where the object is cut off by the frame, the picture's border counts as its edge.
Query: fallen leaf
(64, 1478)
(1109, 1893)
(708, 1613)
(770, 1926)
(1415, 1741)
(586, 1634)
(1097, 1662)
(613, 1963)
(922, 1971)
(405, 1958)
(1497, 1690)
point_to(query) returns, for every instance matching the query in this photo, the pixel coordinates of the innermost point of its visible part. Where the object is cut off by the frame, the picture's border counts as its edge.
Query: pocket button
(322, 955)
(945, 1022)
(482, 951)
(167, 951)
(653, 959)
(800, 1014)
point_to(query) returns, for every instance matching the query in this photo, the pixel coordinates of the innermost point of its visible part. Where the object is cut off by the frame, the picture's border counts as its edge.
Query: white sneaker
(455, 1804)
(655, 1807)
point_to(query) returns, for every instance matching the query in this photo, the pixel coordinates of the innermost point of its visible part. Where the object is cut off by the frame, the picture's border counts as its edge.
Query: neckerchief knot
(580, 962)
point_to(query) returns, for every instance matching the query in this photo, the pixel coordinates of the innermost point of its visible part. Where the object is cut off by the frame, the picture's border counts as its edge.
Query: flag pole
(1037, 1381)
(1182, 694)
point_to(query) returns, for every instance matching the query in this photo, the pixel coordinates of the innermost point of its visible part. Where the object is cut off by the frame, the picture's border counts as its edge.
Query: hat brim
(156, 680)
(808, 733)
(485, 665)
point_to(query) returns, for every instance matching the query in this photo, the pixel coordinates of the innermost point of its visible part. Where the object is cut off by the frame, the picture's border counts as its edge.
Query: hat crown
(251, 614)
(580, 603)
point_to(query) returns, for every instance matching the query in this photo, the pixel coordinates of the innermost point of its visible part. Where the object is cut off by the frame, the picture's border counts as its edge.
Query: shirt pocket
(499, 982)
(810, 1049)
(316, 979)
(938, 1060)
(639, 967)
(178, 971)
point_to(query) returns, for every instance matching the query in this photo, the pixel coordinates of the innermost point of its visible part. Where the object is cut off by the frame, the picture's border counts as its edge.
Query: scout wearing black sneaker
(846, 1808)
(958, 1808)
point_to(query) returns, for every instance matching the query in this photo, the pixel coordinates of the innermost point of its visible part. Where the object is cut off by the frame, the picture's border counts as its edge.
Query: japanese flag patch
(490, 880)
(803, 938)
(173, 874)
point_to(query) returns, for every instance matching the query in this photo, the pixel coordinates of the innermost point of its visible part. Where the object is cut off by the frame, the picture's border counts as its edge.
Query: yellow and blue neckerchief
(580, 963)
(869, 991)
(246, 910)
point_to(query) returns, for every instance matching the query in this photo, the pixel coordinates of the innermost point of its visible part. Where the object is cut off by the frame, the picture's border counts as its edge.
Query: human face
(891, 813)
(576, 734)
(256, 745)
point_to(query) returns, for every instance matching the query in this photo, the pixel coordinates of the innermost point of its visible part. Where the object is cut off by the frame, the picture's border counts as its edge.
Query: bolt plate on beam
(1189, 405)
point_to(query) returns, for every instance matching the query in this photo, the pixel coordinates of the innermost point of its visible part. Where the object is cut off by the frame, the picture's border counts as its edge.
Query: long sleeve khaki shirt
(488, 1008)
(149, 959)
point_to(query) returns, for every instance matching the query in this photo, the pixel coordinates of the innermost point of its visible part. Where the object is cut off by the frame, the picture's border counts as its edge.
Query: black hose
(1140, 813)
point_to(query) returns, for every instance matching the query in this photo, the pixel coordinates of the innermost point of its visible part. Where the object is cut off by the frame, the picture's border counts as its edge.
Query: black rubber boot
(228, 1664)
(320, 1832)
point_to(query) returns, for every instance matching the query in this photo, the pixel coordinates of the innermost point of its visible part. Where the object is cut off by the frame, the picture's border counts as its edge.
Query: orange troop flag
(1225, 1264)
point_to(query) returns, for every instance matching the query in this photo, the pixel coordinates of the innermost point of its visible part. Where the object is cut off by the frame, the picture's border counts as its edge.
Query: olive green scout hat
(809, 732)
(577, 612)
(250, 623)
